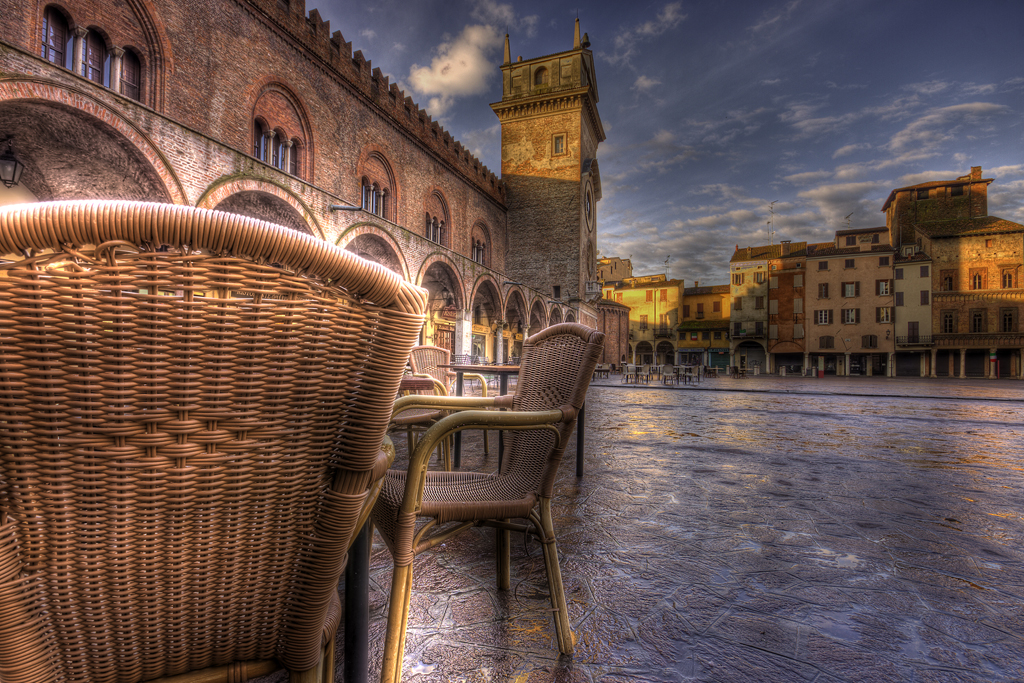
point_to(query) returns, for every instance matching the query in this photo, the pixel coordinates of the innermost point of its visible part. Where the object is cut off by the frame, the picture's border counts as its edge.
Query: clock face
(588, 208)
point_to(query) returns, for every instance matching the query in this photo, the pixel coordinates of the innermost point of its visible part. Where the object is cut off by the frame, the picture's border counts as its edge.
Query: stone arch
(538, 316)
(516, 319)
(107, 158)
(372, 243)
(665, 353)
(261, 199)
(644, 353)
(570, 317)
(377, 175)
(282, 108)
(445, 300)
(555, 316)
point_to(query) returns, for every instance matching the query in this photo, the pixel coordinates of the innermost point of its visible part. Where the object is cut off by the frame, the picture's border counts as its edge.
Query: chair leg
(561, 610)
(503, 551)
(398, 621)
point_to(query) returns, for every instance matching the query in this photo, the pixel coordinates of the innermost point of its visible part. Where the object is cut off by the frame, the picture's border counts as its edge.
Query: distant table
(503, 372)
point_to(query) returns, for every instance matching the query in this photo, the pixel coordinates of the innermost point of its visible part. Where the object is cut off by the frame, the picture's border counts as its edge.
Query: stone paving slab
(734, 536)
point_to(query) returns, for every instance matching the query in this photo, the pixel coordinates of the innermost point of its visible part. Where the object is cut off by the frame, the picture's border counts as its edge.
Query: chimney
(975, 172)
(748, 252)
(696, 283)
(785, 247)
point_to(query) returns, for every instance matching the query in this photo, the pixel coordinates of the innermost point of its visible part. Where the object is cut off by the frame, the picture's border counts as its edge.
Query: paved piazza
(763, 530)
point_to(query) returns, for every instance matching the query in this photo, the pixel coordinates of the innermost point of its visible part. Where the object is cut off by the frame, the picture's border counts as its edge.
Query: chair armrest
(481, 378)
(404, 403)
(471, 419)
(439, 388)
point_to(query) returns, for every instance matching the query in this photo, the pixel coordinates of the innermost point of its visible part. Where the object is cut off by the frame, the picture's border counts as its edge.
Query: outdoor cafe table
(503, 371)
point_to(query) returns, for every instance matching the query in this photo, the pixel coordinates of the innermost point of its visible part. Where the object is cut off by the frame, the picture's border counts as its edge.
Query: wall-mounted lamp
(887, 334)
(344, 207)
(10, 167)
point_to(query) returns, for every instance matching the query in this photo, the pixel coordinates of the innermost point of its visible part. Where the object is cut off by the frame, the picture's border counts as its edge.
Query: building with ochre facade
(140, 101)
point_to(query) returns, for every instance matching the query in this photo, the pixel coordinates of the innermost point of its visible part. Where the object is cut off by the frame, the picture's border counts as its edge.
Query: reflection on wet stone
(725, 536)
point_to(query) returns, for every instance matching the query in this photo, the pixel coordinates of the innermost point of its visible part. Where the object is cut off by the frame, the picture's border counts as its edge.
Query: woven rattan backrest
(192, 406)
(556, 368)
(427, 359)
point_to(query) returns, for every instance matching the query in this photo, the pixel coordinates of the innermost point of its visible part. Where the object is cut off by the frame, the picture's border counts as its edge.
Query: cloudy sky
(714, 110)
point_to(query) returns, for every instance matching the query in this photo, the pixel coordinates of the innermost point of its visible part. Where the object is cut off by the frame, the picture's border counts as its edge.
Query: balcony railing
(914, 340)
(664, 330)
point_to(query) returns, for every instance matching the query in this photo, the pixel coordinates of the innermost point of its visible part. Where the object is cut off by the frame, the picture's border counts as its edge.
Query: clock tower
(550, 131)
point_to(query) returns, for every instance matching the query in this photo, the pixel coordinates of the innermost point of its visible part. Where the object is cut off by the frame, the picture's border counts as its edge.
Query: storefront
(718, 358)
(692, 355)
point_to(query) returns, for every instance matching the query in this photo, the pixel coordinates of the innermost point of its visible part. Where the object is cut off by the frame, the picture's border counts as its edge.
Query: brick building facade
(976, 265)
(143, 101)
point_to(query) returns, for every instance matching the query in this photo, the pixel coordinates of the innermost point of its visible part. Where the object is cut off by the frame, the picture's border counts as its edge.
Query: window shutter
(856, 288)
(773, 331)
(899, 273)
(899, 298)
(798, 331)
(773, 282)
(798, 280)
(856, 315)
(798, 305)
(773, 307)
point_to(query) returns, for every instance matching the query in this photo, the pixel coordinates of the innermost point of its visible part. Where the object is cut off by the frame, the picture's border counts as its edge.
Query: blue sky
(713, 110)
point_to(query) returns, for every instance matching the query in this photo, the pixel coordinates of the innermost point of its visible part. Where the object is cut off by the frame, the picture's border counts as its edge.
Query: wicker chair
(556, 368)
(193, 408)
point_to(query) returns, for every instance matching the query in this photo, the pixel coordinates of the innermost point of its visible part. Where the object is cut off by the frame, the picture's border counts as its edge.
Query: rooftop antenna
(847, 219)
(668, 271)
(771, 223)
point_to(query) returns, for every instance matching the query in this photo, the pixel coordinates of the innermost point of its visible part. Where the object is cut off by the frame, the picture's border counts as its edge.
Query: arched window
(58, 42)
(96, 62)
(131, 75)
(259, 140)
(293, 160)
(540, 76)
(383, 204)
(976, 281)
(367, 196)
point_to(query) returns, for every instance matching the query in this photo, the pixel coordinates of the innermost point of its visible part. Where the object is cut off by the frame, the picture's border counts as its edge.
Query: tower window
(540, 76)
(558, 144)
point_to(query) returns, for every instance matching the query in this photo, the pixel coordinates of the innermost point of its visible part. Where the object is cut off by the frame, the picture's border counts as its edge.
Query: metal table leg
(357, 608)
(580, 433)
(503, 384)
(457, 458)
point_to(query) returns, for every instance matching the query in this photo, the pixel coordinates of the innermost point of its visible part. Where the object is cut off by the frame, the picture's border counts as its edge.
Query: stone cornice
(543, 105)
(988, 296)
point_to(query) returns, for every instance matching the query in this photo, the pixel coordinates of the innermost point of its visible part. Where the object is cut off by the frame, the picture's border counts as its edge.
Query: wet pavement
(767, 529)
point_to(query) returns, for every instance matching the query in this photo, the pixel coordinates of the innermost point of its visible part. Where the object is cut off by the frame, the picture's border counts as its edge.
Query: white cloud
(928, 87)
(850, 149)
(773, 19)
(771, 81)
(808, 177)
(503, 17)
(461, 67)
(1002, 171)
(834, 202)
(625, 42)
(643, 84)
(939, 126)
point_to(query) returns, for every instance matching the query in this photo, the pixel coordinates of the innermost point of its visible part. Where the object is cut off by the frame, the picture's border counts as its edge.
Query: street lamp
(10, 167)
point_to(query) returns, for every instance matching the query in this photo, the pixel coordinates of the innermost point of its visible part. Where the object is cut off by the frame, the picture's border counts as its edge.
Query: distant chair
(557, 366)
(192, 430)
(670, 374)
